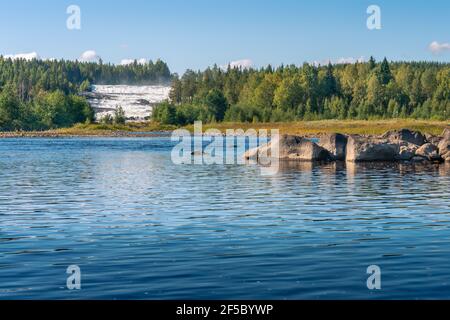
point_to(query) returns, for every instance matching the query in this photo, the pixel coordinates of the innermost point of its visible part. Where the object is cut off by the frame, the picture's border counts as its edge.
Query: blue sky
(198, 33)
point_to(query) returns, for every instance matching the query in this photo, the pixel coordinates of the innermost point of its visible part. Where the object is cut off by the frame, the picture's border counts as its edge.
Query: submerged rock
(251, 154)
(335, 144)
(367, 149)
(418, 159)
(198, 153)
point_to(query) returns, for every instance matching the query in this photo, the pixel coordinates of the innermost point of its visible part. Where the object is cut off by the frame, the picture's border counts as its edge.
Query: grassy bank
(370, 127)
(114, 129)
(309, 128)
(108, 130)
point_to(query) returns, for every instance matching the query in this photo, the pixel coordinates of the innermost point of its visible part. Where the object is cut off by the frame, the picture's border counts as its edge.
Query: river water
(140, 227)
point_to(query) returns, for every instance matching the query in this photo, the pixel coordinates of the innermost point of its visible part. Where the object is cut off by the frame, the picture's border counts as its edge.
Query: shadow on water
(353, 168)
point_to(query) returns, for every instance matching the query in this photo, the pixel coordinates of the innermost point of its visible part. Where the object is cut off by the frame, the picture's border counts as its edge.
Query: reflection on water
(140, 227)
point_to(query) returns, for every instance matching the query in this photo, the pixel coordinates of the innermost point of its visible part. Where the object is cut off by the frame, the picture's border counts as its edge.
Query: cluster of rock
(399, 145)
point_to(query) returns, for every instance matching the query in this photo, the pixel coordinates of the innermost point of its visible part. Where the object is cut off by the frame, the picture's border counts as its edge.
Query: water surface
(141, 227)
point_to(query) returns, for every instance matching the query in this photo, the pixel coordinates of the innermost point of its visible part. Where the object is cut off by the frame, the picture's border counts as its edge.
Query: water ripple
(142, 228)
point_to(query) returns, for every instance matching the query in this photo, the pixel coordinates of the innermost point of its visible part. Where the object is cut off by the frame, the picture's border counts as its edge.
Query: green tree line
(367, 90)
(45, 94)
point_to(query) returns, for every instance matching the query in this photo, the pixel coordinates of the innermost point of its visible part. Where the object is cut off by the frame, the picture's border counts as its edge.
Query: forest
(45, 94)
(369, 90)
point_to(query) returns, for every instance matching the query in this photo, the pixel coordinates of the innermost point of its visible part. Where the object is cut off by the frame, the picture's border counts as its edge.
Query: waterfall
(136, 101)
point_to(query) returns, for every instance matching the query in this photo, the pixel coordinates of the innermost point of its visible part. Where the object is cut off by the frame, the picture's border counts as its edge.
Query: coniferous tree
(329, 82)
(353, 91)
(384, 73)
(372, 63)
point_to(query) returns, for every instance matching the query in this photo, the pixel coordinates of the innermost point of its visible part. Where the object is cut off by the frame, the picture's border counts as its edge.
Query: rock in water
(446, 134)
(252, 154)
(429, 151)
(407, 151)
(406, 135)
(290, 148)
(403, 145)
(335, 144)
(444, 147)
(366, 149)
(433, 139)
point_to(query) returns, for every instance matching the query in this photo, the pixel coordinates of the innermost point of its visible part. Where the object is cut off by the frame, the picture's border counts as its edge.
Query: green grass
(363, 127)
(97, 129)
(306, 128)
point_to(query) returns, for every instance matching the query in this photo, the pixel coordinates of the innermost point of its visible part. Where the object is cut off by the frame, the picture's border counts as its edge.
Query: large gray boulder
(433, 139)
(289, 148)
(444, 149)
(429, 151)
(367, 149)
(336, 144)
(446, 134)
(406, 135)
(407, 151)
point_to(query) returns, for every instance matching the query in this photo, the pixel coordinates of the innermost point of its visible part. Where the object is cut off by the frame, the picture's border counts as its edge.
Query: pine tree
(384, 72)
(329, 86)
(372, 63)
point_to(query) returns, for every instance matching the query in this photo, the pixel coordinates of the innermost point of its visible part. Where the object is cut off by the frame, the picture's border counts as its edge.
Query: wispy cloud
(436, 47)
(349, 60)
(89, 56)
(244, 64)
(343, 60)
(125, 62)
(26, 56)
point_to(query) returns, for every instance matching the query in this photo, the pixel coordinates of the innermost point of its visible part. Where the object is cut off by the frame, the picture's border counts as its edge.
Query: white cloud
(437, 47)
(89, 56)
(349, 60)
(125, 62)
(26, 56)
(320, 63)
(244, 64)
(343, 60)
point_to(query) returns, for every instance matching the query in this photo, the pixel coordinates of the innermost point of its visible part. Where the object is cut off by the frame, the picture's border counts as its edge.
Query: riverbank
(302, 128)
(132, 129)
(360, 127)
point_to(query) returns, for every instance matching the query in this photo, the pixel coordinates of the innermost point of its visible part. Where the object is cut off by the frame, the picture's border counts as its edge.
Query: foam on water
(137, 101)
